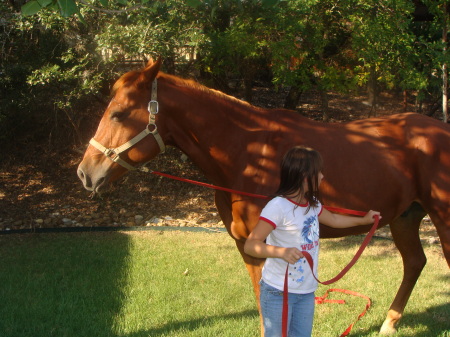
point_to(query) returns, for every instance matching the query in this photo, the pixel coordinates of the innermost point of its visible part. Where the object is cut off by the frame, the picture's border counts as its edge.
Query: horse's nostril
(81, 174)
(92, 180)
(99, 184)
(85, 179)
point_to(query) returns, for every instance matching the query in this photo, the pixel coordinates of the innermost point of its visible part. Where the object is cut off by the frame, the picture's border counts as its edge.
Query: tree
(439, 14)
(66, 65)
(79, 46)
(310, 48)
(234, 44)
(382, 42)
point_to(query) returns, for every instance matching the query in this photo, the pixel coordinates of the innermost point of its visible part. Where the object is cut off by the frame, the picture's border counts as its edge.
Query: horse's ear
(152, 62)
(150, 71)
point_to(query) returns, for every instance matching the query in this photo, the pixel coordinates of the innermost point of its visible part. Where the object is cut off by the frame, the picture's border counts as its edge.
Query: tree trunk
(292, 98)
(372, 90)
(405, 101)
(248, 72)
(325, 107)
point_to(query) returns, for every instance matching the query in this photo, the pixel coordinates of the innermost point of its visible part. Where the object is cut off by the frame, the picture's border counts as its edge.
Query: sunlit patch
(47, 190)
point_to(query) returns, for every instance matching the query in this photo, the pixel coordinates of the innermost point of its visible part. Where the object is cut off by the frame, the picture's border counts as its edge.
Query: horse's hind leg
(440, 221)
(405, 232)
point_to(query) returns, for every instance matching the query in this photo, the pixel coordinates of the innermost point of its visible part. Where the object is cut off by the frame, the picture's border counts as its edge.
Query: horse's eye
(118, 116)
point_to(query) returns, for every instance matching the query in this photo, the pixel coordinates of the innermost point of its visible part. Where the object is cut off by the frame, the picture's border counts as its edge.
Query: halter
(114, 154)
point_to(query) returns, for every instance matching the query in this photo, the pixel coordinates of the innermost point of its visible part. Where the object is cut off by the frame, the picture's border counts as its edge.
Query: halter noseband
(114, 154)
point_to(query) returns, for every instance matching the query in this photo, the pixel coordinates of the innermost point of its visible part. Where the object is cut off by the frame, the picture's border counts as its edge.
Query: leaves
(67, 7)
(31, 8)
(312, 43)
(193, 3)
(270, 3)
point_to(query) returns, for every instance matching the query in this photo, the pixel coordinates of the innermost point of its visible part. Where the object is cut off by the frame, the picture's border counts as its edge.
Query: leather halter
(114, 154)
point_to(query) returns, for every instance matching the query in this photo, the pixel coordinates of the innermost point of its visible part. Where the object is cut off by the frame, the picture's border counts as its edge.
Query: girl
(288, 224)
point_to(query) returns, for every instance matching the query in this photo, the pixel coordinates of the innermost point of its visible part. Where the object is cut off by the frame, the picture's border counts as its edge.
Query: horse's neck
(211, 128)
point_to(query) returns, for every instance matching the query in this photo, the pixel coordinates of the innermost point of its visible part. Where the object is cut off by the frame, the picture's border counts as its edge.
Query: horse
(398, 165)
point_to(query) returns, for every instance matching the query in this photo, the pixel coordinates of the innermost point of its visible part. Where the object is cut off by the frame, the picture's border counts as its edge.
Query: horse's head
(127, 135)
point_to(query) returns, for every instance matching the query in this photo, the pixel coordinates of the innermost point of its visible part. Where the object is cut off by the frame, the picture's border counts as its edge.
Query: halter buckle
(151, 129)
(110, 153)
(153, 107)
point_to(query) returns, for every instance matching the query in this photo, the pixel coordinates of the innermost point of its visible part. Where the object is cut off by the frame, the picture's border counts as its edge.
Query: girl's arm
(256, 247)
(344, 221)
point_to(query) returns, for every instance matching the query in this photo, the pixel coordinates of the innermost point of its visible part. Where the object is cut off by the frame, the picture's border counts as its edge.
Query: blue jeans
(300, 314)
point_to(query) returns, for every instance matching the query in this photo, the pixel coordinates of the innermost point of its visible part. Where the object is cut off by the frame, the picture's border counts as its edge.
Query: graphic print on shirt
(306, 230)
(310, 236)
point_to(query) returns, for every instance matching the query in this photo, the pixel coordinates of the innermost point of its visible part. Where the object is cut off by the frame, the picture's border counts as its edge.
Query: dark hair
(298, 164)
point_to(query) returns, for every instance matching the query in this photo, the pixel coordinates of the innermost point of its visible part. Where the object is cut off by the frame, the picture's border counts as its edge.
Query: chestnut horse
(399, 165)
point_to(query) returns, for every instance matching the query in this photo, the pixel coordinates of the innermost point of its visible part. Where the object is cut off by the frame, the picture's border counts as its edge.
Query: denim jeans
(300, 314)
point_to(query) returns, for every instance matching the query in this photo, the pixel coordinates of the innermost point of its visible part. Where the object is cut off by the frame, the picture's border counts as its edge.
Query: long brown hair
(298, 164)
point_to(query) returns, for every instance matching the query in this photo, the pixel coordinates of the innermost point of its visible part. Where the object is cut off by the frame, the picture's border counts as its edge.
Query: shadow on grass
(72, 285)
(438, 314)
(61, 285)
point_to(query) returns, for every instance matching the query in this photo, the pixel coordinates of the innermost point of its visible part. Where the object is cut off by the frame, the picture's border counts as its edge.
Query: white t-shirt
(292, 228)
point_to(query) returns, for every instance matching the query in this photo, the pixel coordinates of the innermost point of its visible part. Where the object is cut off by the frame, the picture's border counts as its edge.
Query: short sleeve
(319, 209)
(272, 213)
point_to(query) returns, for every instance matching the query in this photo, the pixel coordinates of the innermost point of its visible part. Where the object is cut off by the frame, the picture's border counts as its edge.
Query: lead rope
(307, 256)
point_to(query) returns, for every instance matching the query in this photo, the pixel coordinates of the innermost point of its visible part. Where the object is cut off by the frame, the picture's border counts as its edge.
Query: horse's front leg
(405, 232)
(239, 231)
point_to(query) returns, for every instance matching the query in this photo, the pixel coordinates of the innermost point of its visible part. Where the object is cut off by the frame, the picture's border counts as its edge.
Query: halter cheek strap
(151, 129)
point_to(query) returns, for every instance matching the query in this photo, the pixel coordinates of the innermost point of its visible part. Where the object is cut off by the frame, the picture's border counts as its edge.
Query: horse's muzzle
(92, 181)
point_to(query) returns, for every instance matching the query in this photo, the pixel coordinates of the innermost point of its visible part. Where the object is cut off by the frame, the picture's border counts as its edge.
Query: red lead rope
(306, 254)
(332, 280)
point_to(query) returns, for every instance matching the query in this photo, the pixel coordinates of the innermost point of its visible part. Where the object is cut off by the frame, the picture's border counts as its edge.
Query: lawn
(172, 283)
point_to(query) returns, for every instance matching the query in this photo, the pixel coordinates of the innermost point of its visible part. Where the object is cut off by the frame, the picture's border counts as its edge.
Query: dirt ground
(40, 188)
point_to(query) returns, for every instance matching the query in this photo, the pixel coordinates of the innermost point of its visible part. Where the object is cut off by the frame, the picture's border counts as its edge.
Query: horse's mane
(136, 78)
(201, 88)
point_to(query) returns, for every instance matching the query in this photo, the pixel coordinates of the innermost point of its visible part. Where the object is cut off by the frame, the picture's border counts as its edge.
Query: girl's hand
(369, 218)
(291, 255)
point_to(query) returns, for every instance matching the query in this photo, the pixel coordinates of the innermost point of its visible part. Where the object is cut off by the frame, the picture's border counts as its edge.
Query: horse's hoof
(388, 329)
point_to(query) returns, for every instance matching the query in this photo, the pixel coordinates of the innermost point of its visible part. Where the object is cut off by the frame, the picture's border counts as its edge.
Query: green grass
(134, 284)
(378, 275)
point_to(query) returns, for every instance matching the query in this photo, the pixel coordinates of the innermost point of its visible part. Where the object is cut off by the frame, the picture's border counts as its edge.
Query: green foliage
(55, 63)
(235, 41)
(70, 64)
(309, 44)
(74, 79)
(34, 6)
(66, 7)
(373, 50)
(167, 29)
(46, 81)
